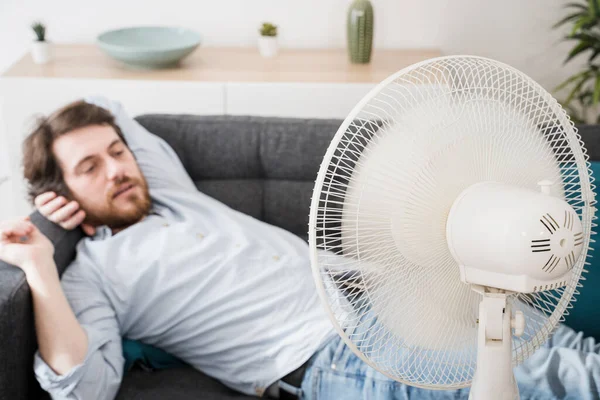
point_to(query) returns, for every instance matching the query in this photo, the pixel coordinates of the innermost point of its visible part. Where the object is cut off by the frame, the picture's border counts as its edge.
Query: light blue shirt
(231, 295)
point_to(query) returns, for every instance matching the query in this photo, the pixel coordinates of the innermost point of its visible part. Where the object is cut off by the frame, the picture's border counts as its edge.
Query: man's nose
(115, 170)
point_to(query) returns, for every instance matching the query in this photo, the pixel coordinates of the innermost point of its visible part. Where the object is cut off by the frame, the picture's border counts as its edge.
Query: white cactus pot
(40, 52)
(267, 45)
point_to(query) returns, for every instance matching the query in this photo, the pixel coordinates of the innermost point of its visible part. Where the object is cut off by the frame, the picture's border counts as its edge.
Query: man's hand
(23, 245)
(62, 212)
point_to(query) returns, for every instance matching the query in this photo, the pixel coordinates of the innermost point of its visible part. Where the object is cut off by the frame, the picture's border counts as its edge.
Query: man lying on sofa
(167, 265)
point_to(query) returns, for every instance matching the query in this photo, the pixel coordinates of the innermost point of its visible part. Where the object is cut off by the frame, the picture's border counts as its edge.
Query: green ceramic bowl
(149, 46)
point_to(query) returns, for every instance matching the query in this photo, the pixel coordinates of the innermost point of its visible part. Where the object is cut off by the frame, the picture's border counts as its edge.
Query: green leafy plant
(40, 31)
(584, 87)
(268, 29)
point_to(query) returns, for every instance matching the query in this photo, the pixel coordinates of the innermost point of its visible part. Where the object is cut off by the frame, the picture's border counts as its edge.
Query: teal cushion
(585, 314)
(147, 356)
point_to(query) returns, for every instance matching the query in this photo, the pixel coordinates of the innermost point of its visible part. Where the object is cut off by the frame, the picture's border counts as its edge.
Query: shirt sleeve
(99, 376)
(157, 160)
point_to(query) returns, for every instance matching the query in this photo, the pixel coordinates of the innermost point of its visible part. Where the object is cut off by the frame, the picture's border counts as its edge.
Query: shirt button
(165, 224)
(276, 258)
(199, 236)
(259, 391)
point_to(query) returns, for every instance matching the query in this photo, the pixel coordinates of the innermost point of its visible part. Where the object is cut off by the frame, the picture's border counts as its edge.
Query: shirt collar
(104, 232)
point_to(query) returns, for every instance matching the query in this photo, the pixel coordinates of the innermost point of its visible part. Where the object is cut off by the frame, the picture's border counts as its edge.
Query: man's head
(79, 152)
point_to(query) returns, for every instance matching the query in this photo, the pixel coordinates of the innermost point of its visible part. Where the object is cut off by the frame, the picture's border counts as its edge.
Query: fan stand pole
(494, 378)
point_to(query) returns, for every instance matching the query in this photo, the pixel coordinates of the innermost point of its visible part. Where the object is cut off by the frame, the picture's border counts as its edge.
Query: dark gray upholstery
(590, 134)
(177, 383)
(264, 167)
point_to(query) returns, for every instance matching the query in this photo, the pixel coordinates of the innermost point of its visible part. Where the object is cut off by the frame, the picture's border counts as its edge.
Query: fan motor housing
(513, 238)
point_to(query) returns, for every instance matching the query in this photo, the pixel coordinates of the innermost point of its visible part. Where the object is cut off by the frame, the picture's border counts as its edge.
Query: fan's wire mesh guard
(382, 195)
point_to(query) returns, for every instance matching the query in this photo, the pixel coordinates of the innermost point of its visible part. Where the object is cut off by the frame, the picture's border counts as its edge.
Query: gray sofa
(264, 167)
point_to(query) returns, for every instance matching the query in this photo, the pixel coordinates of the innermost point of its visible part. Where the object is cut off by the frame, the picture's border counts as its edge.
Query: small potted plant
(40, 51)
(267, 42)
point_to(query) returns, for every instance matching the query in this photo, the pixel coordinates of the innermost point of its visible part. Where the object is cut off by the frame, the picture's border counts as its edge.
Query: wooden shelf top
(225, 64)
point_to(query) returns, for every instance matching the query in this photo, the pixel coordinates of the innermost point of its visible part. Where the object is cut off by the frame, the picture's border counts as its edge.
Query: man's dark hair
(40, 166)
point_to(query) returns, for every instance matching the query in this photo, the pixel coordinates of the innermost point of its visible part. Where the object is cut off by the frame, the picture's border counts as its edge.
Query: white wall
(514, 31)
(517, 32)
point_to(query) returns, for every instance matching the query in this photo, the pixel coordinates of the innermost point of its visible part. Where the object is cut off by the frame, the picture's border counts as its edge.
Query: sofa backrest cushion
(262, 166)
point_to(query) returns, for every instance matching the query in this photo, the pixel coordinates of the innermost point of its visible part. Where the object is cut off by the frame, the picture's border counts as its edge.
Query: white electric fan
(450, 223)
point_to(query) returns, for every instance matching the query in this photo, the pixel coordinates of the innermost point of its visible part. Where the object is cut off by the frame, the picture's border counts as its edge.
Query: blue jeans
(566, 367)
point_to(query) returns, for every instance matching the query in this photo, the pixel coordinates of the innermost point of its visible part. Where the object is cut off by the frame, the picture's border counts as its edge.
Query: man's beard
(116, 218)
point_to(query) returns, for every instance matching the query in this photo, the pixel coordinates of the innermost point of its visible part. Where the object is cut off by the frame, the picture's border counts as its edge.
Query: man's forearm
(61, 339)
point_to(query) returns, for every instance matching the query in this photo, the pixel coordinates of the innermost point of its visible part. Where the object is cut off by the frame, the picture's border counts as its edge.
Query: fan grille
(384, 190)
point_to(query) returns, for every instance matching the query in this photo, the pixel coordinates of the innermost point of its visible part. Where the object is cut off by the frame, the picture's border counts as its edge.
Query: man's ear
(88, 229)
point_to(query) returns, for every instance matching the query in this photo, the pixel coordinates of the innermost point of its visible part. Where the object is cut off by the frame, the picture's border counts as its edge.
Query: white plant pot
(267, 45)
(40, 52)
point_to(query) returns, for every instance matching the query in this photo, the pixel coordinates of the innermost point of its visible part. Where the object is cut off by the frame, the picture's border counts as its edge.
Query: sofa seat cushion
(174, 384)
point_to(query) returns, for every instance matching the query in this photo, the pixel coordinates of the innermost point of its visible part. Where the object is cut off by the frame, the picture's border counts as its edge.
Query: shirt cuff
(62, 385)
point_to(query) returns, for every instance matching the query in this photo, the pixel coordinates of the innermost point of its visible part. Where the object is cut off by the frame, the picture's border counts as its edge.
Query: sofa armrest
(17, 330)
